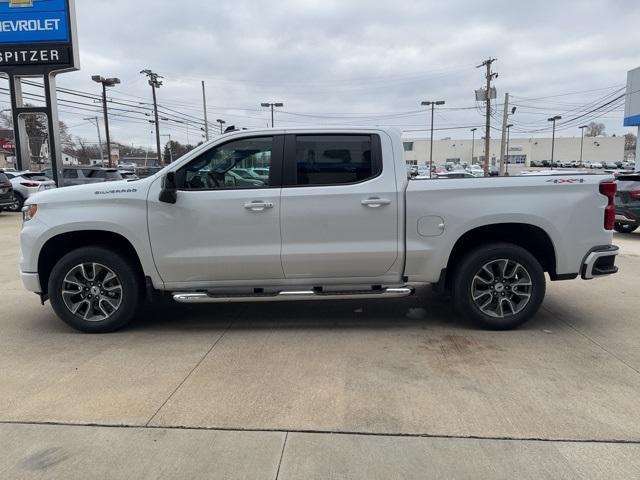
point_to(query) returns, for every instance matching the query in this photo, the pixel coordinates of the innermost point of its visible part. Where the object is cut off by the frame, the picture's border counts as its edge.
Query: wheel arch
(530, 237)
(59, 245)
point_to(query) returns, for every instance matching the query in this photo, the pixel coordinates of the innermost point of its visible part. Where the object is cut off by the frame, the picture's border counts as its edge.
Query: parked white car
(25, 184)
(338, 218)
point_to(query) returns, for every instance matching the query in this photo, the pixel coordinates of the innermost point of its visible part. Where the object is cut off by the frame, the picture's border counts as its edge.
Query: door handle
(258, 206)
(375, 202)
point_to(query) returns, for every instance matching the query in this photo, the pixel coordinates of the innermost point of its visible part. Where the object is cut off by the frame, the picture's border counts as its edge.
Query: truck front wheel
(94, 290)
(499, 286)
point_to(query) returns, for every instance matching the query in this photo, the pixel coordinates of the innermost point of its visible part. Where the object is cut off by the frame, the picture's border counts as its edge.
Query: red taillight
(608, 189)
(635, 194)
(29, 184)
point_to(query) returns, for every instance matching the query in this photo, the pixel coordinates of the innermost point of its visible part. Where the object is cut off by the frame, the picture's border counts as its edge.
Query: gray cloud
(343, 58)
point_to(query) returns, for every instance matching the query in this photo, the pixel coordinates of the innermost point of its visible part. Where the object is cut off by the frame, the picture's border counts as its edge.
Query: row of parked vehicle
(591, 165)
(27, 183)
(450, 170)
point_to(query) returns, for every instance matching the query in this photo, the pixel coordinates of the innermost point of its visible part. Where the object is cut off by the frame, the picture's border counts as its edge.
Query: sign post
(632, 108)
(38, 38)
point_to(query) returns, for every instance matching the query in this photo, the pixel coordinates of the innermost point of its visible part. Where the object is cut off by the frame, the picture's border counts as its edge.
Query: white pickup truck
(336, 217)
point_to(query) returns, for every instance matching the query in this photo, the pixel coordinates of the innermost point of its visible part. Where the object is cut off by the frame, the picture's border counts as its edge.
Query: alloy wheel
(501, 288)
(92, 291)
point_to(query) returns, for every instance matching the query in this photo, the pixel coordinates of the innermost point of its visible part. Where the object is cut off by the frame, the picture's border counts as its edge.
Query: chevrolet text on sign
(35, 32)
(35, 21)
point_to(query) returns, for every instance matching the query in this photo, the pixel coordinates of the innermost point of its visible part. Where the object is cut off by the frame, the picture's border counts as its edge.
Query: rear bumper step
(204, 297)
(600, 262)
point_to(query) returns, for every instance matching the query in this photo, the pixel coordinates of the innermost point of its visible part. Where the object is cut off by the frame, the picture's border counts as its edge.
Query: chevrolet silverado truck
(336, 218)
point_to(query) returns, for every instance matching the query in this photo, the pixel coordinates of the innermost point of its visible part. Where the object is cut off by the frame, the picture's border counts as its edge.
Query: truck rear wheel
(499, 286)
(94, 290)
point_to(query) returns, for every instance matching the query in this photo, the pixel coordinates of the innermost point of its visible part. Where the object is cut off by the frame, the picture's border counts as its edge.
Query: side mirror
(169, 192)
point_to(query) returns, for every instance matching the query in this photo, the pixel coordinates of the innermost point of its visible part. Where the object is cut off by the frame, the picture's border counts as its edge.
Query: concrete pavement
(324, 390)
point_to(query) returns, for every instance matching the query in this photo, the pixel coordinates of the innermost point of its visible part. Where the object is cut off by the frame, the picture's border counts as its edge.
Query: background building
(521, 150)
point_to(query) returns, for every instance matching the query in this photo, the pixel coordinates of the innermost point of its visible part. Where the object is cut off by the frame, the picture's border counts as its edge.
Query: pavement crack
(504, 438)
(192, 370)
(284, 444)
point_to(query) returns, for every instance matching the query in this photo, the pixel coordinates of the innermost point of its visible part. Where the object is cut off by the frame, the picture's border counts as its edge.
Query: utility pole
(106, 82)
(154, 81)
(432, 105)
(505, 158)
(553, 136)
(505, 119)
(473, 142)
(204, 105)
(506, 170)
(267, 105)
(487, 135)
(582, 141)
(95, 119)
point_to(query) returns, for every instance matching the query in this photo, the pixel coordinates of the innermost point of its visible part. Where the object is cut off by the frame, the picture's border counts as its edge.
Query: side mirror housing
(169, 192)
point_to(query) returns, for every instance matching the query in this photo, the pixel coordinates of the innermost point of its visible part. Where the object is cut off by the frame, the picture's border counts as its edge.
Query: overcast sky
(356, 62)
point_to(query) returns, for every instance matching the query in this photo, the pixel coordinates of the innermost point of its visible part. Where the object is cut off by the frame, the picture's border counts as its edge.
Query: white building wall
(566, 149)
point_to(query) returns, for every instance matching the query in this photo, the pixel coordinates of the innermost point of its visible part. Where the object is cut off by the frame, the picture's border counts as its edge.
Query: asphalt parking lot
(353, 389)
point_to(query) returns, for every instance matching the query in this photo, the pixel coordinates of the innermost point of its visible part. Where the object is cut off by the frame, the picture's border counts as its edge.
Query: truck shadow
(425, 309)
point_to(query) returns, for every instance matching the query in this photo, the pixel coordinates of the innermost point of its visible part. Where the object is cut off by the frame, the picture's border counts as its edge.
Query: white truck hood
(103, 191)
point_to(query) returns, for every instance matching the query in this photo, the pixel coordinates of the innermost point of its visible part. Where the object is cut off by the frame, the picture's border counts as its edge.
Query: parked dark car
(628, 203)
(6, 192)
(85, 174)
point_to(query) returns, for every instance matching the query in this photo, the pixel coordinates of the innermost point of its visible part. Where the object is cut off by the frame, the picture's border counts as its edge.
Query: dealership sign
(37, 35)
(632, 103)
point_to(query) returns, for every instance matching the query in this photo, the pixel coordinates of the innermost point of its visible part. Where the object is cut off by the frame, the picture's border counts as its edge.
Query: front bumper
(31, 282)
(600, 261)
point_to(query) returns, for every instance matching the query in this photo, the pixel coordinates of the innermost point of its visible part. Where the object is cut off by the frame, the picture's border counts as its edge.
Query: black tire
(510, 294)
(130, 293)
(19, 203)
(625, 228)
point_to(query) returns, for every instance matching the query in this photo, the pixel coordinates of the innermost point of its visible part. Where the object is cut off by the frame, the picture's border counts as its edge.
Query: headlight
(29, 212)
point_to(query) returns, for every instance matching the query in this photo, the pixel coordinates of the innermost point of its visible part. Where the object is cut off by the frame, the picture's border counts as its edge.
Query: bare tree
(595, 129)
(630, 142)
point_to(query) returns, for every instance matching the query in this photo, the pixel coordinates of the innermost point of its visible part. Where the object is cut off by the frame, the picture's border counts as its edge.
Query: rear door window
(334, 159)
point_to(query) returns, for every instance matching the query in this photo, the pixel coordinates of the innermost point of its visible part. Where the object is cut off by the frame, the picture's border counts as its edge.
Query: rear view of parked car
(628, 203)
(26, 184)
(6, 192)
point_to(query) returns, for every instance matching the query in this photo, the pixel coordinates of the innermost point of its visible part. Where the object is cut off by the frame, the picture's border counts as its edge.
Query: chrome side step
(204, 297)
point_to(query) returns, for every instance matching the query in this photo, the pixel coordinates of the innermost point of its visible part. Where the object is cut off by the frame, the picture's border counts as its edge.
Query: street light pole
(582, 141)
(272, 105)
(553, 135)
(106, 82)
(473, 142)
(432, 105)
(221, 122)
